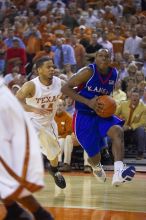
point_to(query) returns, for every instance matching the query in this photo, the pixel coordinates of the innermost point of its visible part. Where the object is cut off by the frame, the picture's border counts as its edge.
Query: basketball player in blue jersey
(39, 98)
(90, 129)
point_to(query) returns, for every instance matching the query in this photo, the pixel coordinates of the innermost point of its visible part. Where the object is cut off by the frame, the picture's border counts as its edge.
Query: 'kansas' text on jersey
(97, 85)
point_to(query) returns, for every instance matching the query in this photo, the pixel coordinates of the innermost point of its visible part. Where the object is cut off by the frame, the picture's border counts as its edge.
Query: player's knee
(116, 132)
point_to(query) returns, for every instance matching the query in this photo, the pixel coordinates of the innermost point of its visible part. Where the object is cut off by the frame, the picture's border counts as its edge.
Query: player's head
(45, 68)
(103, 58)
(41, 61)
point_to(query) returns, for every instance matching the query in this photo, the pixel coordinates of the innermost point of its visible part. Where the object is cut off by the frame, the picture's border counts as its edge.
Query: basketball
(108, 106)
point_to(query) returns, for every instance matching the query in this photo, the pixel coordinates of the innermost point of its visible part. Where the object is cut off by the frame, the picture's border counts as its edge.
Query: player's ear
(38, 69)
(96, 54)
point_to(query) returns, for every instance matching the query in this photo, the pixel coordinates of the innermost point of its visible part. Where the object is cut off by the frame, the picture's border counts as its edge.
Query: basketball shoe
(58, 178)
(124, 175)
(99, 173)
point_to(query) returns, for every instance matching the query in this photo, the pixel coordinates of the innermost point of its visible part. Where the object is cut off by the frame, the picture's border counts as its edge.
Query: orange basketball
(108, 106)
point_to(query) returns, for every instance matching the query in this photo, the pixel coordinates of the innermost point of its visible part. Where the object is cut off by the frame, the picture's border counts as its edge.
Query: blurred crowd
(70, 32)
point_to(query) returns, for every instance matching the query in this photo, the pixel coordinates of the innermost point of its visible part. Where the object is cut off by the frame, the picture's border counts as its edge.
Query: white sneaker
(99, 173)
(124, 175)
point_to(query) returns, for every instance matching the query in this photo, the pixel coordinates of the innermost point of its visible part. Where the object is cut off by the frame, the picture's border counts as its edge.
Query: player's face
(46, 71)
(102, 59)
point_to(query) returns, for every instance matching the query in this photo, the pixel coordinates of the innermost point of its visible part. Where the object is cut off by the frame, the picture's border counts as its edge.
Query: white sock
(97, 167)
(118, 165)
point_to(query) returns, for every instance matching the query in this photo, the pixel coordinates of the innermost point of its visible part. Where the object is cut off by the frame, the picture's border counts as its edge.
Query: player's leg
(87, 167)
(61, 143)
(15, 211)
(121, 174)
(35, 208)
(53, 170)
(87, 134)
(50, 147)
(97, 168)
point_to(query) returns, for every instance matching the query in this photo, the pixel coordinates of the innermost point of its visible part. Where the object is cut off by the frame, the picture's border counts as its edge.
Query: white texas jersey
(45, 97)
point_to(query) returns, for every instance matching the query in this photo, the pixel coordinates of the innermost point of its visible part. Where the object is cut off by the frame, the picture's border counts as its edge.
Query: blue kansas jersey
(97, 85)
(90, 129)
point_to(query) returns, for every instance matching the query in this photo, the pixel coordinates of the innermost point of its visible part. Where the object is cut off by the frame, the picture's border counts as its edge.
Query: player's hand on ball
(106, 106)
(95, 105)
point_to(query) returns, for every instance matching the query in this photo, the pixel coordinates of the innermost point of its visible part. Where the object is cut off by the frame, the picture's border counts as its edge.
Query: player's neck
(45, 82)
(103, 71)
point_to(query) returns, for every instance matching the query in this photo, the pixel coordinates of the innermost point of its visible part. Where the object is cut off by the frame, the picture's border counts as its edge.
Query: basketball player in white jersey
(39, 98)
(21, 165)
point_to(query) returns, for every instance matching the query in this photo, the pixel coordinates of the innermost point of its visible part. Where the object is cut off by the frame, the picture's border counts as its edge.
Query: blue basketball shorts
(90, 130)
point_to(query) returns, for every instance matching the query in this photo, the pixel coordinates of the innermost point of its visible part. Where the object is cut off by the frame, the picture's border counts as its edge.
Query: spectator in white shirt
(91, 19)
(117, 9)
(133, 44)
(58, 8)
(42, 5)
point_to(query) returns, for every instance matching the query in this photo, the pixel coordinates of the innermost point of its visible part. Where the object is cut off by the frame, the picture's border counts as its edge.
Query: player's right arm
(28, 91)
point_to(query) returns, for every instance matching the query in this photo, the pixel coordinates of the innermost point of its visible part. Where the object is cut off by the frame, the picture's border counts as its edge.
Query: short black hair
(39, 62)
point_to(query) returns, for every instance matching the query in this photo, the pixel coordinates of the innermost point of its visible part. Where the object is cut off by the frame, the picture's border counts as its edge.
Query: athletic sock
(98, 166)
(54, 169)
(118, 165)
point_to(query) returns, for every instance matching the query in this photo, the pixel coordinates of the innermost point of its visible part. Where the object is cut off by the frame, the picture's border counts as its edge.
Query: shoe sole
(127, 176)
(100, 179)
(129, 173)
(60, 185)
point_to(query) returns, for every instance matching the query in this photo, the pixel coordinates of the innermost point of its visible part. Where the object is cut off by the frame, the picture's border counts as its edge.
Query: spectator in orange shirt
(45, 52)
(117, 41)
(64, 123)
(59, 29)
(79, 51)
(32, 39)
(108, 14)
(42, 27)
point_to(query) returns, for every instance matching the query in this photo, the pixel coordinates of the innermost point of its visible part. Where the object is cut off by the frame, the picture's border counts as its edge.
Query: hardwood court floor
(86, 199)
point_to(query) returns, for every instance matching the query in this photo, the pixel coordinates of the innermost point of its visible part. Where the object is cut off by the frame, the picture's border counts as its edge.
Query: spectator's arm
(118, 110)
(141, 122)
